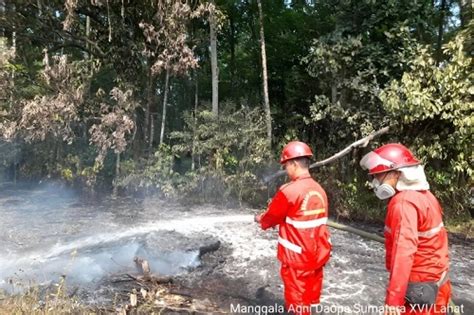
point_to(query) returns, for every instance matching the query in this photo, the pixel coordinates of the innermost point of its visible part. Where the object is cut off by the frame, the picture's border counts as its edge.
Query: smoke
(46, 233)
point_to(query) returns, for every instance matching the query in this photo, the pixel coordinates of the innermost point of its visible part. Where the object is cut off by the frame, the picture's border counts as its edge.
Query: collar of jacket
(302, 176)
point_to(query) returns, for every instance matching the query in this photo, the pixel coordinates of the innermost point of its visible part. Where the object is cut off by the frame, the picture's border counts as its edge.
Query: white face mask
(383, 191)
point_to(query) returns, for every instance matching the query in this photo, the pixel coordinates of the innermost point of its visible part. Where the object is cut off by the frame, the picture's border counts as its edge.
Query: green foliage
(353, 201)
(229, 152)
(224, 140)
(337, 70)
(151, 175)
(432, 105)
(429, 107)
(352, 71)
(78, 169)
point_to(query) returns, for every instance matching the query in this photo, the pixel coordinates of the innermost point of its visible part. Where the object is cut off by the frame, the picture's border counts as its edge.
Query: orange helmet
(388, 157)
(295, 149)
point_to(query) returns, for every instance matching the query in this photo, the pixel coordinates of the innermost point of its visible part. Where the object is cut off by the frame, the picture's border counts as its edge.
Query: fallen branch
(191, 310)
(203, 250)
(123, 278)
(359, 143)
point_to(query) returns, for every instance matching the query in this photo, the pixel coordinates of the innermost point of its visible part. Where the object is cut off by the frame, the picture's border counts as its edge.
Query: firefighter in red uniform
(300, 208)
(416, 242)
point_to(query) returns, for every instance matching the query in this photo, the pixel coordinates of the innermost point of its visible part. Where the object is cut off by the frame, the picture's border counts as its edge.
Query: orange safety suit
(300, 208)
(416, 245)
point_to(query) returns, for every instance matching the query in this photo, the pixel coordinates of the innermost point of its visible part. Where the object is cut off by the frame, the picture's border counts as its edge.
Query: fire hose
(350, 229)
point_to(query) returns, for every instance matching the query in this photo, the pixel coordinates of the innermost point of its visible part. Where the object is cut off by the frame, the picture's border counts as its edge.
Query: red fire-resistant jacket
(301, 209)
(416, 242)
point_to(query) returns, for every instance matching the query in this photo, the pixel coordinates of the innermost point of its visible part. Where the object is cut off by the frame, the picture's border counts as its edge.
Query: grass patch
(35, 301)
(142, 296)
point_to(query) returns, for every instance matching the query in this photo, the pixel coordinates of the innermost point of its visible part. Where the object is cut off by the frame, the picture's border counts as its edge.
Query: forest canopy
(195, 99)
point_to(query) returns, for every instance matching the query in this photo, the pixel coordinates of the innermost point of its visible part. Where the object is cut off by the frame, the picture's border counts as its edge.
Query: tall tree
(466, 9)
(214, 66)
(442, 13)
(166, 36)
(266, 100)
(165, 103)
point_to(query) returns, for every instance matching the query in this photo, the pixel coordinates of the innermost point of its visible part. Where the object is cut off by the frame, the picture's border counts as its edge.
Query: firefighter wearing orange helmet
(416, 242)
(300, 208)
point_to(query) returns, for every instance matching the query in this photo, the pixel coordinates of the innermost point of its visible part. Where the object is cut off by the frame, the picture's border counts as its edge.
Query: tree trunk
(466, 8)
(254, 53)
(40, 7)
(151, 91)
(117, 174)
(266, 100)
(214, 68)
(334, 93)
(196, 100)
(13, 70)
(108, 20)
(165, 100)
(442, 11)
(152, 134)
(2, 13)
(139, 133)
(232, 43)
(88, 32)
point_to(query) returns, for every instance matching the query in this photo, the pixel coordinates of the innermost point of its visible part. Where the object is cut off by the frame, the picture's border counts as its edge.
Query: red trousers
(442, 301)
(302, 289)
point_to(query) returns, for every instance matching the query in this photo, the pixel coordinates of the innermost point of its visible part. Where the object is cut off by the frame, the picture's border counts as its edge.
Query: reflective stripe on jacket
(300, 208)
(416, 242)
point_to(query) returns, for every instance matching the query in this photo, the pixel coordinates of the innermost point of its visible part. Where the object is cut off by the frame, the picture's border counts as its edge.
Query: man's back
(431, 253)
(304, 237)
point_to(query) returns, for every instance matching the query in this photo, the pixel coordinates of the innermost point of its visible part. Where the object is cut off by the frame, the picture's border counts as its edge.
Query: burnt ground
(38, 235)
(244, 272)
(259, 284)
